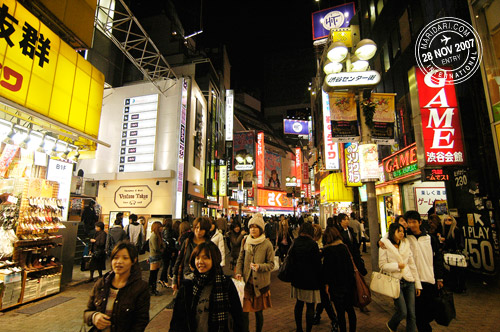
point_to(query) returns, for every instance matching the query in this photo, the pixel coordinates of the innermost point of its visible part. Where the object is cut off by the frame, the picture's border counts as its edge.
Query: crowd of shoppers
(322, 265)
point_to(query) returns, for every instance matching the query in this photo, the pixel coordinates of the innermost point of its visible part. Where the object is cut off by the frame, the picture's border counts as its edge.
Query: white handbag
(385, 284)
(458, 260)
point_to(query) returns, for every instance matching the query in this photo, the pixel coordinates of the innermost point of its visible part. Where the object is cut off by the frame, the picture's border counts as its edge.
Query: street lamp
(357, 65)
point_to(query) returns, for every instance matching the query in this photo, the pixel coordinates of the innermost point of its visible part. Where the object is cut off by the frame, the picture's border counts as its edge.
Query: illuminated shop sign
(401, 163)
(273, 198)
(295, 127)
(331, 156)
(435, 174)
(440, 116)
(182, 146)
(229, 114)
(331, 18)
(260, 162)
(353, 176)
(368, 162)
(298, 166)
(44, 74)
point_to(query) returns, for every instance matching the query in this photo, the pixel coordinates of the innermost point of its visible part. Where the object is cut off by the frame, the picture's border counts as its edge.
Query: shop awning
(334, 190)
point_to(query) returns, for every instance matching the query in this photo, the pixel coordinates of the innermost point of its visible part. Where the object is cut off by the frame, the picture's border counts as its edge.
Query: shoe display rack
(40, 214)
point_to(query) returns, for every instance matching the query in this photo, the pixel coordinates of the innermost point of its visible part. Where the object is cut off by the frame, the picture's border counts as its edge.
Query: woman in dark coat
(285, 238)
(120, 301)
(210, 299)
(452, 242)
(338, 274)
(97, 251)
(305, 268)
(235, 236)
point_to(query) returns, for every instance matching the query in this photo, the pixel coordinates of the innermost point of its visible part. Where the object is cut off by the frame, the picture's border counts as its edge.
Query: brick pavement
(477, 310)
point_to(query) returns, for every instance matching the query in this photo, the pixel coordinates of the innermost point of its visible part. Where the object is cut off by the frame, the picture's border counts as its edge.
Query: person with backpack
(135, 232)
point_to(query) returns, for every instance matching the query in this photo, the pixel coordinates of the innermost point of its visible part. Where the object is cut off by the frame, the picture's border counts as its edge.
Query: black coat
(98, 261)
(353, 245)
(337, 271)
(305, 261)
(184, 317)
(131, 308)
(452, 244)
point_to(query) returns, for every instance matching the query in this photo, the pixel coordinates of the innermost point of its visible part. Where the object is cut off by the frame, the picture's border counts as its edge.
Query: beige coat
(262, 254)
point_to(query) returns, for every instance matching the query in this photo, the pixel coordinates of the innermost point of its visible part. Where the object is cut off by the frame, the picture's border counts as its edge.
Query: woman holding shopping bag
(255, 263)
(397, 259)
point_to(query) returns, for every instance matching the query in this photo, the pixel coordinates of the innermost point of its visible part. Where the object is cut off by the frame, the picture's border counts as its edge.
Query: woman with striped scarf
(209, 302)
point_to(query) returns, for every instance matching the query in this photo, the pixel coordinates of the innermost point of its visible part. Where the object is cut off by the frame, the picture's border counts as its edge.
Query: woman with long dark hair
(156, 247)
(338, 275)
(397, 259)
(285, 238)
(120, 300)
(208, 302)
(235, 236)
(305, 268)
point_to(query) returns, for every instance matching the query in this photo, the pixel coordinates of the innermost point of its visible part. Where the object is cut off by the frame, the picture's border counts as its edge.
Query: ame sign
(440, 117)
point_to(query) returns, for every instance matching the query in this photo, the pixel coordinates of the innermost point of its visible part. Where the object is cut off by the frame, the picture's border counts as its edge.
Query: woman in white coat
(218, 239)
(395, 257)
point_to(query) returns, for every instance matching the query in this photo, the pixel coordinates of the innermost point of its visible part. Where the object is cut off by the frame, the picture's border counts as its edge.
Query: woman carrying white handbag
(395, 257)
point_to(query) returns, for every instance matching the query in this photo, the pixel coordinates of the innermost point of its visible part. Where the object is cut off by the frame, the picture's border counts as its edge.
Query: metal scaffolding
(125, 31)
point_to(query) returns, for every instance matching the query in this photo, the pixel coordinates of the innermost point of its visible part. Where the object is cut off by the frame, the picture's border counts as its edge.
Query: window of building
(416, 17)
(395, 43)
(404, 31)
(380, 6)
(373, 15)
(387, 60)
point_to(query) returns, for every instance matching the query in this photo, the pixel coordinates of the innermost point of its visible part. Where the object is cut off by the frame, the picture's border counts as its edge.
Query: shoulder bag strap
(352, 260)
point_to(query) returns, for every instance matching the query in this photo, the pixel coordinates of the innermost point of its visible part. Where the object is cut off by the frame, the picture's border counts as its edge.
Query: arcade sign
(401, 163)
(434, 174)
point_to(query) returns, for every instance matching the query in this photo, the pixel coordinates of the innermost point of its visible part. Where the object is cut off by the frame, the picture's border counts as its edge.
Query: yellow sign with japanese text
(41, 72)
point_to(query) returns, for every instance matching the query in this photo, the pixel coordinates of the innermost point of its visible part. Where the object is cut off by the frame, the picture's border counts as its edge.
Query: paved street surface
(477, 310)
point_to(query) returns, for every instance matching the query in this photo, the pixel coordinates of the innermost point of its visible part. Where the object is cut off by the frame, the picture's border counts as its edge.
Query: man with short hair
(135, 232)
(355, 225)
(271, 230)
(429, 262)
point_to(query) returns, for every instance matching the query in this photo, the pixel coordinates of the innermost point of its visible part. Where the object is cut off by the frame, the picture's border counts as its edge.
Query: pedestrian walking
(89, 219)
(453, 242)
(254, 266)
(395, 257)
(217, 237)
(119, 302)
(97, 251)
(338, 275)
(168, 238)
(356, 226)
(115, 234)
(135, 232)
(182, 270)
(271, 230)
(285, 238)
(364, 236)
(235, 236)
(349, 238)
(305, 269)
(156, 247)
(209, 302)
(429, 261)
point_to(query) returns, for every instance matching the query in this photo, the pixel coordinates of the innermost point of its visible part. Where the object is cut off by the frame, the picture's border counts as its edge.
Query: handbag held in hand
(385, 284)
(458, 260)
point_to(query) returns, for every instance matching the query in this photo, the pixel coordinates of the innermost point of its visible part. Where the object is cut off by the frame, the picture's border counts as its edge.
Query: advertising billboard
(295, 127)
(331, 18)
(273, 170)
(244, 150)
(260, 162)
(343, 117)
(298, 166)
(229, 114)
(383, 118)
(273, 198)
(352, 172)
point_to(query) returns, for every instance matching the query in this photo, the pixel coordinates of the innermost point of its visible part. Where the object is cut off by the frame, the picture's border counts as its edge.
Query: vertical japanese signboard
(229, 114)
(440, 120)
(298, 166)
(352, 176)
(222, 180)
(44, 74)
(331, 154)
(260, 162)
(182, 147)
(368, 162)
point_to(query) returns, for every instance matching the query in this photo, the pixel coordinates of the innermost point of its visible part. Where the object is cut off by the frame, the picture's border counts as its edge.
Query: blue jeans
(405, 307)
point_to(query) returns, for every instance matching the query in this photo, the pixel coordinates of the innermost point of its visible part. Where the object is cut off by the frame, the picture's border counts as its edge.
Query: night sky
(253, 30)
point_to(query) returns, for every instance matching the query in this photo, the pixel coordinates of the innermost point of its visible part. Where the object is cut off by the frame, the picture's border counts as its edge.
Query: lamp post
(340, 59)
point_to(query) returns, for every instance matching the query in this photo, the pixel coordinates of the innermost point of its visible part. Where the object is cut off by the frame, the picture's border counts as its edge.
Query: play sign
(273, 198)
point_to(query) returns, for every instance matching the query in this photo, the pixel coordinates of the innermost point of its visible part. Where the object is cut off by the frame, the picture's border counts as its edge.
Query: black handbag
(444, 308)
(85, 264)
(285, 271)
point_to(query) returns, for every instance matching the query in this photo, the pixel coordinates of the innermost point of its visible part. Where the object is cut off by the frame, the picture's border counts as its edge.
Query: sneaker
(387, 324)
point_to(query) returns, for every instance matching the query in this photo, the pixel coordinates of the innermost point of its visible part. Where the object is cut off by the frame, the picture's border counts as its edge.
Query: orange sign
(273, 198)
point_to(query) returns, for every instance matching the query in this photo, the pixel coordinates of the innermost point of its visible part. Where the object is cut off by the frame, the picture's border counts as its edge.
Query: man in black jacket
(349, 237)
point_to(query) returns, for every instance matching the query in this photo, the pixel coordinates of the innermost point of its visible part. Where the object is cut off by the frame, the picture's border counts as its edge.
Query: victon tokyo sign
(442, 133)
